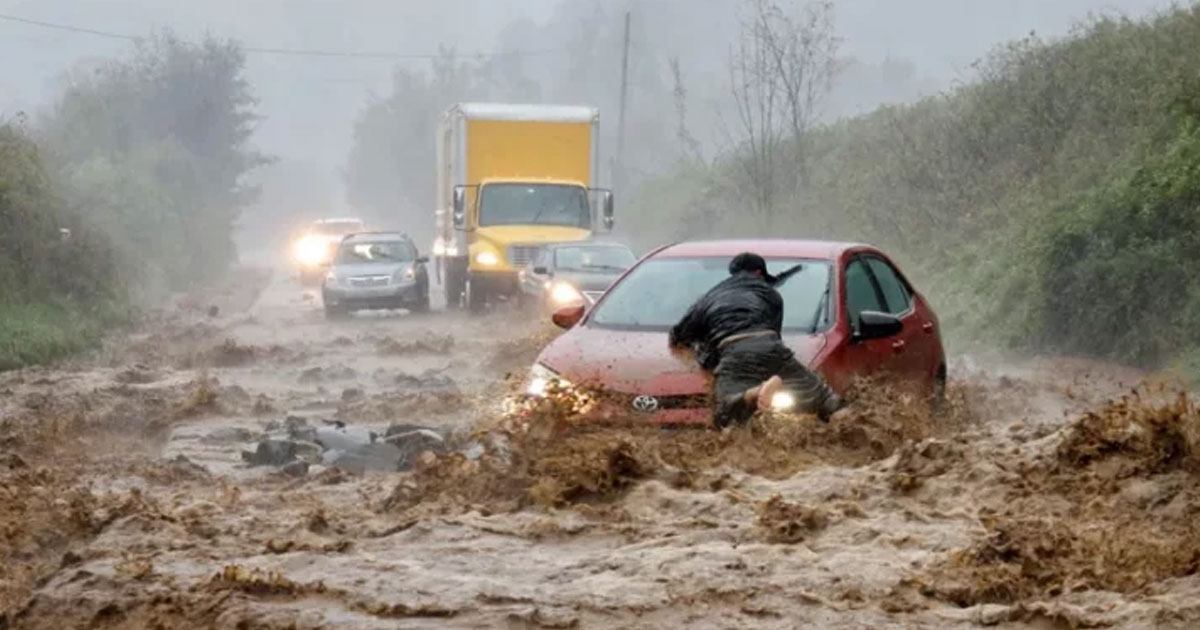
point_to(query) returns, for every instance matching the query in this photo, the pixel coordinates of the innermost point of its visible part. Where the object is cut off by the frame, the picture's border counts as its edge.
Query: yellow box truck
(510, 179)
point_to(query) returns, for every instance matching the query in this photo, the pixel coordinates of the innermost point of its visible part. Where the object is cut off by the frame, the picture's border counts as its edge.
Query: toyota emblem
(645, 404)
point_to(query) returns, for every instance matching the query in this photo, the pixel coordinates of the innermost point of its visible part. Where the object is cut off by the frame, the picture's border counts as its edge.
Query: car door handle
(928, 327)
(898, 345)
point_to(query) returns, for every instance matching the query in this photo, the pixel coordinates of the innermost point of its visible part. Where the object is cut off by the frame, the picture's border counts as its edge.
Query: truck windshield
(534, 204)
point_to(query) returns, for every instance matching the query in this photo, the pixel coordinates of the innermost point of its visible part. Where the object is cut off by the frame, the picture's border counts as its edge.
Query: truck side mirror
(460, 214)
(607, 210)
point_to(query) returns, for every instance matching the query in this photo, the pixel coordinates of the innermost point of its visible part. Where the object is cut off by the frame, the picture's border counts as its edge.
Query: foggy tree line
(129, 187)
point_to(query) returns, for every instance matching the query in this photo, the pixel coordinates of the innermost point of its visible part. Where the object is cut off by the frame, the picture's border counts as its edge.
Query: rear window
(657, 293)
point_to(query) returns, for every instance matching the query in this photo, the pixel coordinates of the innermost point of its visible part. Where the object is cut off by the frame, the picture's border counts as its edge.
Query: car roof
(765, 247)
(376, 237)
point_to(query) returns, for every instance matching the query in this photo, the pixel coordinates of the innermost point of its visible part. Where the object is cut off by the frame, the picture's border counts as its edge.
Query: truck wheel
(476, 296)
(454, 288)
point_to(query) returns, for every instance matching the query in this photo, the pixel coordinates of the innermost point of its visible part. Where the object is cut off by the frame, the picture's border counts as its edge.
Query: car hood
(639, 362)
(369, 269)
(586, 280)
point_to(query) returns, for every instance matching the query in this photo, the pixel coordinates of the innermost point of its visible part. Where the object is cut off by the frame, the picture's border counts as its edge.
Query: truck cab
(514, 178)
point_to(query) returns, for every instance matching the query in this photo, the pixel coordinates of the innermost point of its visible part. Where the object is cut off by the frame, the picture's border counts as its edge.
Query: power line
(295, 52)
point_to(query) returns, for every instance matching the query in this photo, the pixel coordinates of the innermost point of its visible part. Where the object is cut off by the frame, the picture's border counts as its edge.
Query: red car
(848, 312)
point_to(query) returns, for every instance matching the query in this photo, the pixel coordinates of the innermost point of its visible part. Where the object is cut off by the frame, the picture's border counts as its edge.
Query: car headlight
(331, 279)
(487, 259)
(563, 293)
(404, 275)
(783, 401)
(310, 251)
(540, 378)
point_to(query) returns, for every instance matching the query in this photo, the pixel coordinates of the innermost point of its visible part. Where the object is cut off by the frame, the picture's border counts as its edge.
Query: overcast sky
(309, 103)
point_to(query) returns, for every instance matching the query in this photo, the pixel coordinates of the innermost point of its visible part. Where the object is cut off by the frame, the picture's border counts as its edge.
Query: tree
(154, 150)
(780, 71)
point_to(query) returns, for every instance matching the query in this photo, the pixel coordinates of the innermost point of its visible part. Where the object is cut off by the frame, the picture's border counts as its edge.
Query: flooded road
(1040, 499)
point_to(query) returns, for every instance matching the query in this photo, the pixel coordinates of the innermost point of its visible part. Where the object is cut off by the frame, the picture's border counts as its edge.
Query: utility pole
(619, 171)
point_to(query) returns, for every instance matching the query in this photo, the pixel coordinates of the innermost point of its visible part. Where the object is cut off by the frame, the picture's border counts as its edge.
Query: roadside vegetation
(141, 159)
(1052, 204)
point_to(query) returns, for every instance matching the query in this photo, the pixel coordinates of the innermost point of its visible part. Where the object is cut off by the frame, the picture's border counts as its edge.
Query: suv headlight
(405, 275)
(540, 377)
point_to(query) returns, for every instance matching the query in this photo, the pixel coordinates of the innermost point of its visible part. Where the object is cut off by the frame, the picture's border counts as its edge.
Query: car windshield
(593, 258)
(657, 293)
(375, 252)
(338, 227)
(534, 204)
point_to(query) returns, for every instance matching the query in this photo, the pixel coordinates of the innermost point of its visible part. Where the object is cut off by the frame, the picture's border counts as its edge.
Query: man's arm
(691, 328)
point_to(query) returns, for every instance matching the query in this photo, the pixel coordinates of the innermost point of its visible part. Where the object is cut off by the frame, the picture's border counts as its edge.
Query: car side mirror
(608, 210)
(541, 271)
(460, 202)
(567, 316)
(876, 325)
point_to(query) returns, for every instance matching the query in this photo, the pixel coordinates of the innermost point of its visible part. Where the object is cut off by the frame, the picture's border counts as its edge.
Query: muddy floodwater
(1052, 493)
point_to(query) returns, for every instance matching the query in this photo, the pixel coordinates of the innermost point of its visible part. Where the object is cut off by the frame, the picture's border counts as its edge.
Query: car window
(860, 292)
(593, 258)
(657, 293)
(894, 291)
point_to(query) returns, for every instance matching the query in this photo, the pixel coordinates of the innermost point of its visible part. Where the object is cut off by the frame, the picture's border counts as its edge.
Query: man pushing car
(734, 332)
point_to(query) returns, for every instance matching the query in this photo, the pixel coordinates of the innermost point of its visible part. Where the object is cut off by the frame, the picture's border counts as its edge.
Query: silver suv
(375, 270)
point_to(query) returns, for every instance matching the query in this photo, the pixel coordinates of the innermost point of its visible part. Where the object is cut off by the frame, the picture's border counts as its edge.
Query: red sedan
(848, 312)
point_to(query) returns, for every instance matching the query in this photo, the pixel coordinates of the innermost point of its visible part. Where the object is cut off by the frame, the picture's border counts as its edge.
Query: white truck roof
(523, 112)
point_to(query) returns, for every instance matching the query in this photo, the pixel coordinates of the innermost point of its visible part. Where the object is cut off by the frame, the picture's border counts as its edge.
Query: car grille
(369, 281)
(521, 255)
(660, 403)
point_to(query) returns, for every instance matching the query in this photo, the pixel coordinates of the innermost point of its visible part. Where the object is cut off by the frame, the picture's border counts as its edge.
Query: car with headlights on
(564, 274)
(315, 248)
(375, 270)
(849, 312)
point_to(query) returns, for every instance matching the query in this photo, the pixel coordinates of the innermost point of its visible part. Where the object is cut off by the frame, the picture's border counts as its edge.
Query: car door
(911, 347)
(862, 357)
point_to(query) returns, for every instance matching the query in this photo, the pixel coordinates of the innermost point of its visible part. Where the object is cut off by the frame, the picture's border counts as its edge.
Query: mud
(1051, 493)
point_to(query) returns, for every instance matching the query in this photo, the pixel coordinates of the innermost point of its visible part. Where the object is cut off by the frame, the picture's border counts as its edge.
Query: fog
(891, 51)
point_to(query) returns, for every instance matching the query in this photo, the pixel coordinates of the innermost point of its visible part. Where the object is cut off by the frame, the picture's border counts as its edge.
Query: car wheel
(422, 303)
(938, 396)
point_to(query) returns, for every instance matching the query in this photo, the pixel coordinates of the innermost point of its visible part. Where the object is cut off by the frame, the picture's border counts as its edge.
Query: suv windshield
(593, 258)
(534, 204)
(657, 293)
(375, 252)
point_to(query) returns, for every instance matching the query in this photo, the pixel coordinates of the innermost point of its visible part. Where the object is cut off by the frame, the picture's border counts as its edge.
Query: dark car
(849, 312)
(565, 274)
(376, 270)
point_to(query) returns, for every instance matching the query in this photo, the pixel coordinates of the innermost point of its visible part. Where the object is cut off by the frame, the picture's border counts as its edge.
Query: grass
(41, 332)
